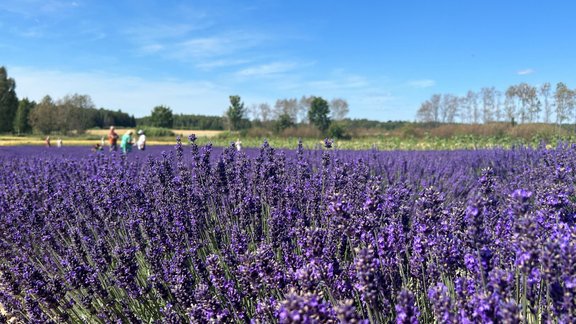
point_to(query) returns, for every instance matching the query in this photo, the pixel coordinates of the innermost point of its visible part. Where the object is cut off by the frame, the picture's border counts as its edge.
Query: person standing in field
(126, 143)
(113, 139)
(47, 141)
(59, 142)
(141, 140)
(238, 145)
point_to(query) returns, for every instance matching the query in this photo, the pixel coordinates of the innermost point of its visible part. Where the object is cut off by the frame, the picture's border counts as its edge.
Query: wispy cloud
(525, 72)
(31, 8)
(267, 69)
(152, 32)
(424, 83)
(211, 64)
(207, 51)
(218, 45)
(339, 80)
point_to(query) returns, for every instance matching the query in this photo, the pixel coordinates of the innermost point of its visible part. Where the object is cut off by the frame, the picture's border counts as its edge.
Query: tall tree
(264, 111)
(235, 112)
(429, 111)
(510, 103)
(449, 108)
(76, 113)
(545, 93)
(487, 95)
(162, 117)
(287, 107)
(473, 113)
(304, 107)
(425, 113)
(44, 116)
(21, 124)
(529, 107)
(562, 99)
(8, 101)
(498, 115)
(339, 108)
(319, 114)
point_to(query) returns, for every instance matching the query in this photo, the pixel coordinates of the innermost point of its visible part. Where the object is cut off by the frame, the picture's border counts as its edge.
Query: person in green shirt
(126, 143)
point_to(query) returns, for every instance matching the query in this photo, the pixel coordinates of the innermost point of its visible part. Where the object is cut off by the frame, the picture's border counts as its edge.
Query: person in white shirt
(238, 145)
(141, 143)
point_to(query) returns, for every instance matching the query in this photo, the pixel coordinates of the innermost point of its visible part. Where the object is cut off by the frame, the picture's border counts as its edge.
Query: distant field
(183, 132)
(92, 136)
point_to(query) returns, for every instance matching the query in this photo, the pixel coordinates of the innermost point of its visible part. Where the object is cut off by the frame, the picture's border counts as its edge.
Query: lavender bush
(198, 234)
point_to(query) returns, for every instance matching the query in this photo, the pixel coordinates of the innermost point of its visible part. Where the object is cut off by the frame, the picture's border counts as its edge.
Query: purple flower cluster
(209, 235)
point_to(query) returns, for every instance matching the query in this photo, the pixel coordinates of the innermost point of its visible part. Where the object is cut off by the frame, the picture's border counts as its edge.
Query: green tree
(284, 121)
(319, 113)
(8, 101)
(21, 124)
(43, 118)
(76, 112)
(162, 117)
(235, 113)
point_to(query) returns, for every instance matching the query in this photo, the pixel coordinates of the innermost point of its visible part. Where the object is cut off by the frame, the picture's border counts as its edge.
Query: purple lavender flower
(307, 308)
(406, 308)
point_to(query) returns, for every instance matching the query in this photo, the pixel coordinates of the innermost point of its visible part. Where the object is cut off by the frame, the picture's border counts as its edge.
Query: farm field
(93, 136)
(195, 233)
(182, 132)
(362, 143)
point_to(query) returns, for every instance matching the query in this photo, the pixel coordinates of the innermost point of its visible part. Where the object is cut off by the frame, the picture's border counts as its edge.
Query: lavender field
(188, 234)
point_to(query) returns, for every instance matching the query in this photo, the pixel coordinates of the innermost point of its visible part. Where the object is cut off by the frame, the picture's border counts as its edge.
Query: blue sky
(384, 57)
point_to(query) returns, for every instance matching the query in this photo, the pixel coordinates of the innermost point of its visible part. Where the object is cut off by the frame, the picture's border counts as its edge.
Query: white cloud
(31, 8)
(424, 83)
(217, 45)
(339, 83)
(525, 72)
(152, 48)
(155, 32)
(267, 69)
(130, 94)
(211, 64)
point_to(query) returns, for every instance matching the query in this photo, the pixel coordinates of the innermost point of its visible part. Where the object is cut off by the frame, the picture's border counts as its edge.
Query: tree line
(285, 113)
(78, 113)
(72, 113)
(521, 103)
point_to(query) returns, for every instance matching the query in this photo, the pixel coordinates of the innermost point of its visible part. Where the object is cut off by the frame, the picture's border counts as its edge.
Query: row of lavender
(203, 235)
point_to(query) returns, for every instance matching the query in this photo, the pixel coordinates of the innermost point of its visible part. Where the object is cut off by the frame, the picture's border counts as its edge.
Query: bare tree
(469, 111)
(303, 107)
(488, 104)
(529, 107)
(339, 108)
(510, 103)
(429, 111)
(264, 111)
(449, 108)
(498, 115)
(561, 96)
(426, 112)
(545, 93)
(287, 107)
(435, 101)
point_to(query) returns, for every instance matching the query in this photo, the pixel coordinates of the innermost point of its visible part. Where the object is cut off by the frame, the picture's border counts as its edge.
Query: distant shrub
(259, 132)
(158, 132)
(338, 131)
(304, 131)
